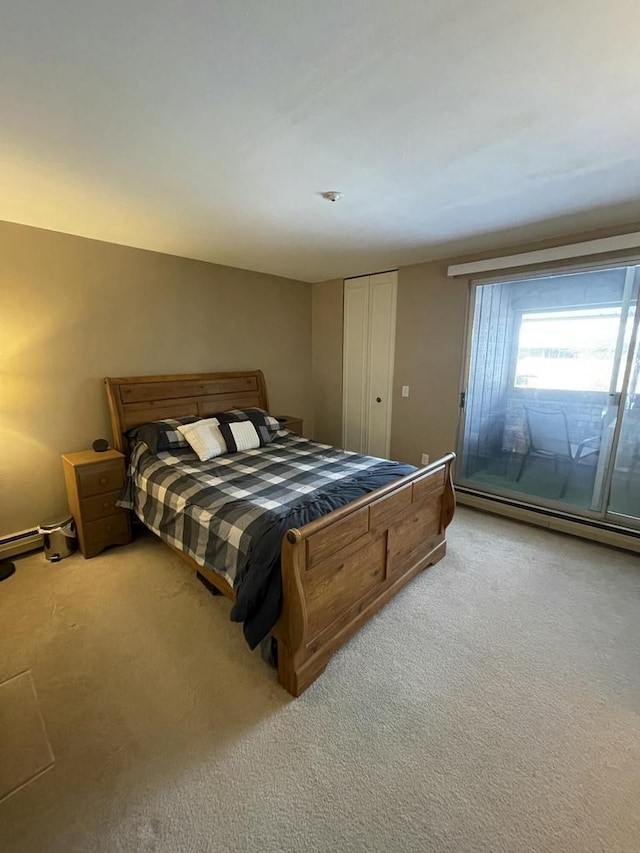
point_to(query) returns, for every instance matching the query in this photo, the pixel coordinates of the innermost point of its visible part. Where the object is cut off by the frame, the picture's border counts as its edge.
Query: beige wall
(326, 360)
(74, 310)
(430, 333)
(430, 336)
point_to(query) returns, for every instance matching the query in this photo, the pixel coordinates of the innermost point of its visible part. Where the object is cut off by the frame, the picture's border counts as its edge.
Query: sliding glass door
(551, 405)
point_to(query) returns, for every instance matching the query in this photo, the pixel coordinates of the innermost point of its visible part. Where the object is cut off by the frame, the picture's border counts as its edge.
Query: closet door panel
(355, 365)
(382, 324)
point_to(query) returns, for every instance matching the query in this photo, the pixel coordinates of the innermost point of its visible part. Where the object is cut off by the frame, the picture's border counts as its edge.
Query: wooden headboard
(136, 400)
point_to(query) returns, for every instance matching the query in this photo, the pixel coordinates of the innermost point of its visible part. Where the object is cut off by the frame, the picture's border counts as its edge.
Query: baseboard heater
(599, 531)
(20, 543)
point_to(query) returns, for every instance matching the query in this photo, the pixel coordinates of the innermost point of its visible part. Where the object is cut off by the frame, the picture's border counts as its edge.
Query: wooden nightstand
(291, 422)
(94, 481)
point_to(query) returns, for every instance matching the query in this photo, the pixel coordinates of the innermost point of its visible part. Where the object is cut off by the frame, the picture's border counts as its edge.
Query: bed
(335, 571)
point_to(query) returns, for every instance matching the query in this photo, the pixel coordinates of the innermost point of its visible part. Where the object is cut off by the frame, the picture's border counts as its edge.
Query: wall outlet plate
(425, 459)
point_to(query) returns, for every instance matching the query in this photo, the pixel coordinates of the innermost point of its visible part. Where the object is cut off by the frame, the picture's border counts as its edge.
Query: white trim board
(540, 256)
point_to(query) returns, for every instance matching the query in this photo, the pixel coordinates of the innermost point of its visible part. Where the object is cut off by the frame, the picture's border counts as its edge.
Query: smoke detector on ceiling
(332, 195)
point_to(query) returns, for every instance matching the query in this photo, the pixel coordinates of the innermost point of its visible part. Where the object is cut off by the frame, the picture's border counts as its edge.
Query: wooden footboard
(338, 570)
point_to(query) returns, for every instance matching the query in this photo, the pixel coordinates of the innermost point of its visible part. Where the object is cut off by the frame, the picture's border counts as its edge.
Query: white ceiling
(208, 128)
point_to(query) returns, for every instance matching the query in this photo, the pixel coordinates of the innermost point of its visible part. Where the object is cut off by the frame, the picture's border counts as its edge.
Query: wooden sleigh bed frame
(338, 570)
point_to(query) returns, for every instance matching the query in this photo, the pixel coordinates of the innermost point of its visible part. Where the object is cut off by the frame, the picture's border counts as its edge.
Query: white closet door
(369, 346)
(382, 325)
(355, 366)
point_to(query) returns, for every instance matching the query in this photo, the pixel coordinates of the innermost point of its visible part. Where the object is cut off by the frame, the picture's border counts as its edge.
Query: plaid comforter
(231, 512)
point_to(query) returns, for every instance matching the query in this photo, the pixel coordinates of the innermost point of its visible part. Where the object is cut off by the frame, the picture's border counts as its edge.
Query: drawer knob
(105, 505)
(109, 526)
(103, 481)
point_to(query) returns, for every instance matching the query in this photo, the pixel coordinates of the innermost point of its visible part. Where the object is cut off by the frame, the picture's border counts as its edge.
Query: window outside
(569, 350)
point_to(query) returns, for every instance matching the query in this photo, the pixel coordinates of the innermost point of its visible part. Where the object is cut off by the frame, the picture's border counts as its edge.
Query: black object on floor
(6, 570)
(206, 583)
(269, 651)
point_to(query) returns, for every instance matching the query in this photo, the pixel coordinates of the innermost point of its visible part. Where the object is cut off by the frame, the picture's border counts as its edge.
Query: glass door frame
(617, 396)
(610, 515)
(561, 507)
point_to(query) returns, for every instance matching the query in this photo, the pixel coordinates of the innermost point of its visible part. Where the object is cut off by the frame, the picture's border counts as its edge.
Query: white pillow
(205, 438)
(243, 436)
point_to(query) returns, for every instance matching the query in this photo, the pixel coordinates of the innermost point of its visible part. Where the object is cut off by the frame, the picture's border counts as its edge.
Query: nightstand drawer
(100, 506)
(98, 479)
(112, 530)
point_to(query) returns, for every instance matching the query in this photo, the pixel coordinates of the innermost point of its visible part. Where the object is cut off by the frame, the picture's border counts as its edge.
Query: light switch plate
(405, 390)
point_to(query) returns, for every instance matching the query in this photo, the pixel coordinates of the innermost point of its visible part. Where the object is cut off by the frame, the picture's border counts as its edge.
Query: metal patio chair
(549, 439)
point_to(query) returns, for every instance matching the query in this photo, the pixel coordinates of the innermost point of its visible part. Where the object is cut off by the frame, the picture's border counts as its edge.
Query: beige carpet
(494, 705)
(25, 751)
